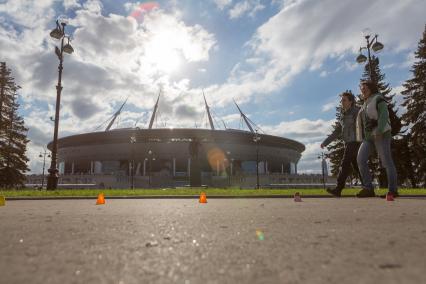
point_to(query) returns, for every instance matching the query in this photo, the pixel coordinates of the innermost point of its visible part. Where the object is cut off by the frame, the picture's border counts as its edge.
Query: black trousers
(348, 162)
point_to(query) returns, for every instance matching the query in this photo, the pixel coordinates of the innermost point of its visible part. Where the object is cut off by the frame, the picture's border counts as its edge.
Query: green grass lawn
(186, 191)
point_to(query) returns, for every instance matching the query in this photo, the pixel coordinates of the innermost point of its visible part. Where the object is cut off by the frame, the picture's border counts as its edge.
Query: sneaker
(334, 191)
(365, 192)
(394, 194)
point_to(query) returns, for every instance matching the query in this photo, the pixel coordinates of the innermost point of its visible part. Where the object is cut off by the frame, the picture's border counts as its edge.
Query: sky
(283, 61)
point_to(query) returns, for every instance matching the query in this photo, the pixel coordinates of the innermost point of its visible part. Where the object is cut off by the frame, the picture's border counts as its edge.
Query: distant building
(162, 156)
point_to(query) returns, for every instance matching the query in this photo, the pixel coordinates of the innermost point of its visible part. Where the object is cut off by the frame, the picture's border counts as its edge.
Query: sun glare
(162, 54)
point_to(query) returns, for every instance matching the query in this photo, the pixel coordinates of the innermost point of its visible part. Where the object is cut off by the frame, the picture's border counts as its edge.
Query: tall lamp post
(57, 33)
(43, 155)
(256, 139)
(150, 159)
(323, 167)
(374, 45)
(132, 163)
(228, 161)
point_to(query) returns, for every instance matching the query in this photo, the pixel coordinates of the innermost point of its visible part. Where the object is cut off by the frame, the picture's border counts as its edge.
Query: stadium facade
(162, 156)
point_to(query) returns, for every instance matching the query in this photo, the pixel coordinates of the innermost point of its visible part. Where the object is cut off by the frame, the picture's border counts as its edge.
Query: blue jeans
(383, 148)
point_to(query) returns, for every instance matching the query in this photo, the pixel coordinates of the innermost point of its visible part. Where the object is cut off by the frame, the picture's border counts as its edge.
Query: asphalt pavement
(324, 240)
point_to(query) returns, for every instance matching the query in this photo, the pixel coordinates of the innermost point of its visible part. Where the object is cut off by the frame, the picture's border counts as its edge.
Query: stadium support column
(194, 163)
(144, 167)
(72, 167)
(138, 169)
(174, 167)
(189, 167)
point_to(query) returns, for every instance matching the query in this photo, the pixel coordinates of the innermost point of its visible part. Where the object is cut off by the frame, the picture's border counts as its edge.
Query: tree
(414, 99)
(336, 148)
(406, 168)
(13, 139)
(384, 88)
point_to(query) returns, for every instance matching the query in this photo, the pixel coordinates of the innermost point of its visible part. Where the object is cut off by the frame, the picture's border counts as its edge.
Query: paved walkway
(323, 240)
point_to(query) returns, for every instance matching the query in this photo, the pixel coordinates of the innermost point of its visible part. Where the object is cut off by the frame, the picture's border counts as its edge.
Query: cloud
(299, 38)
(302, 130)
(249, 7)
(398, 99)
(328, 106)
(113, 60)
(99, 38)
(309, 163)
(221, 4)
(186, 111)
(29, 14)
(84, 108)
(38, 135)
(410, 60)
(71, 4)
(324, 73)
(118, 57)
(309, 132)
(388, 66)
(93, 6)
(110, 55)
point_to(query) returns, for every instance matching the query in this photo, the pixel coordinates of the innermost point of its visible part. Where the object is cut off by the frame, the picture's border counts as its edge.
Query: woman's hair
(371, 86)
(349, 95)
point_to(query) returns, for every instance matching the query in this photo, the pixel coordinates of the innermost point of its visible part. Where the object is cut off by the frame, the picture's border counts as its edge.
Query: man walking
(347, 131)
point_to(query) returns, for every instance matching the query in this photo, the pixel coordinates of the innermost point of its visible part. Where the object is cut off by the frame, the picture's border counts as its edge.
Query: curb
(193, 197)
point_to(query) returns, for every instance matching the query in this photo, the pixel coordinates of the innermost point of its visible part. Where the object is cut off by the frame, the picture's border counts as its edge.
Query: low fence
(242, 181)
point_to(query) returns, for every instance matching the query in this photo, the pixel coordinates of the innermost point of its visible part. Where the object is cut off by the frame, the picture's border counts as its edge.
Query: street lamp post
(230, 172)
(256, 139)
(132, 163)
(232, 166)
(43, 155)
(57, 33)
(374, 45)
(228, 161)
(150, 159)
(323, 167)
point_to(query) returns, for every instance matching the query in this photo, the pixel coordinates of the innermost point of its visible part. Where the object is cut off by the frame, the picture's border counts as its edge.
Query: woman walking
(374, 130)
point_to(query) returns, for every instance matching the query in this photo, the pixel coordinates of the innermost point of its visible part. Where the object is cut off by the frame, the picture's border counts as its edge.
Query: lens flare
(143, 9)
(217, 159)
(260, 235)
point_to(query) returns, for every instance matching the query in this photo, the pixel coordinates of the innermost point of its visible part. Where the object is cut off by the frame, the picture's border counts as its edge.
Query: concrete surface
(224, 241)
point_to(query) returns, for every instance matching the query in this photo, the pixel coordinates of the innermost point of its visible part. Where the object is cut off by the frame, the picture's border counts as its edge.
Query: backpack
(395, 121)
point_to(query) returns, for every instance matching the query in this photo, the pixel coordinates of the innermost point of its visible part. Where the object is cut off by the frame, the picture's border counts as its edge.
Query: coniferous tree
(13, 140)
(337, 147)
(414, 95)
(406, 168)
(385, 91)
(7, 86)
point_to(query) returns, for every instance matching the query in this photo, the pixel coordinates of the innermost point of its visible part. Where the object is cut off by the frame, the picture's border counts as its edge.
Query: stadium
(138, 157)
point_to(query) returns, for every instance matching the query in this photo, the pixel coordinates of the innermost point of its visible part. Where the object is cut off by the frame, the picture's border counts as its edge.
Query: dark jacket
(347, 128)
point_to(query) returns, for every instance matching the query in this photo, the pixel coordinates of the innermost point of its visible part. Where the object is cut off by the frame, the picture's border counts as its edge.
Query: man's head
(368, 88)
(347, 100)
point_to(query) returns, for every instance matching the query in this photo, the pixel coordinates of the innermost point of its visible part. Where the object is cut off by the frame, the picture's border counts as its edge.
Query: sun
(162, 53)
